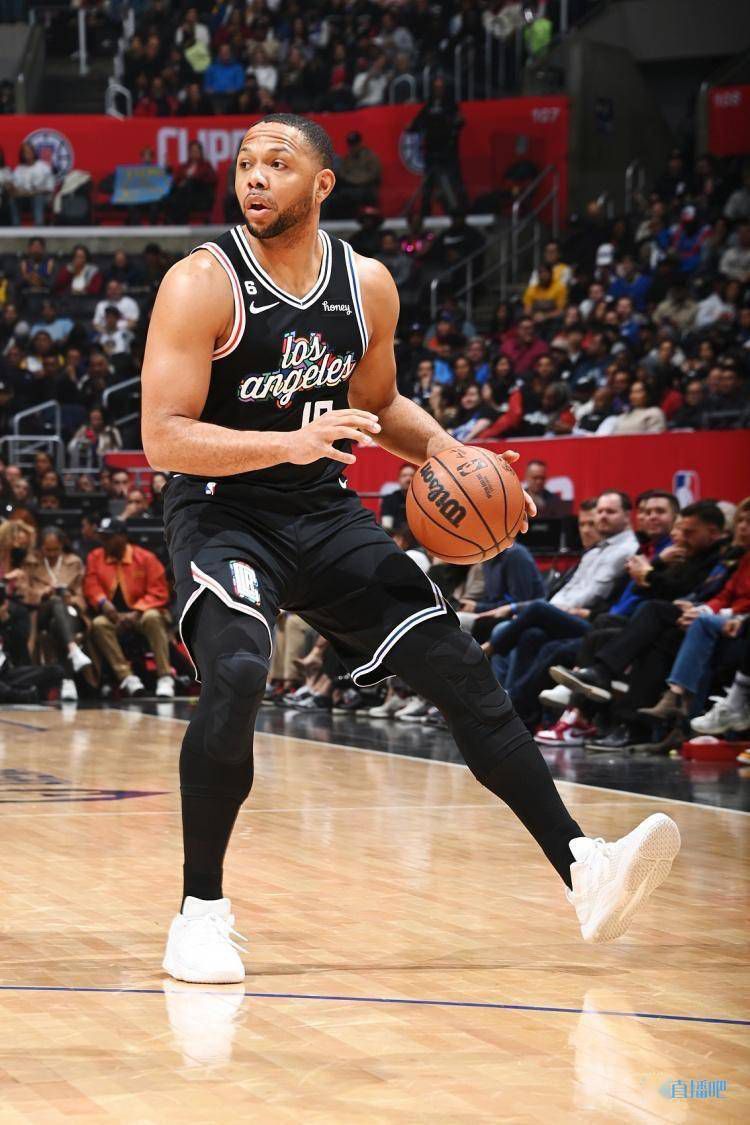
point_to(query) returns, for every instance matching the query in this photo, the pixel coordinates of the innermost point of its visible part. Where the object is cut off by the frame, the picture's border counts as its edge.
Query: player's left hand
(510, 455)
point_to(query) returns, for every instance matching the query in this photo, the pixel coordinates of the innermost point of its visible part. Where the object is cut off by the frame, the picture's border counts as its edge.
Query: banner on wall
(695, 466)
(489, 142)
(729, 120)
(140, 183)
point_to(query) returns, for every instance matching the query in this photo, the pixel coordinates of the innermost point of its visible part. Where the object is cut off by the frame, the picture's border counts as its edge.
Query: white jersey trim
(240, 316)
(255, 268)
(359, 310)
(361, 676)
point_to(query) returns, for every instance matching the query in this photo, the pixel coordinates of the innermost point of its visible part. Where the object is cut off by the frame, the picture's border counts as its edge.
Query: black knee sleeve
(235, 686)
(449, 668)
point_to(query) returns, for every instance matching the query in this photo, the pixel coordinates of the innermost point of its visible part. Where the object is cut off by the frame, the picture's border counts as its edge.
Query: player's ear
(325, 183)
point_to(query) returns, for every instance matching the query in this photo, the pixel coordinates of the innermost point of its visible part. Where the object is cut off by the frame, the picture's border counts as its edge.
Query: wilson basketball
(465, 505)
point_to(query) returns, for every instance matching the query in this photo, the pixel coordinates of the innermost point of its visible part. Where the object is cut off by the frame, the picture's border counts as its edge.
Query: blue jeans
(694, 664)
(516, 643)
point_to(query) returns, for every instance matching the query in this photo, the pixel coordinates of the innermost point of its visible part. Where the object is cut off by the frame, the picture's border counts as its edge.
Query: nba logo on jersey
(686, 486)
(210, 487)
(245, 582)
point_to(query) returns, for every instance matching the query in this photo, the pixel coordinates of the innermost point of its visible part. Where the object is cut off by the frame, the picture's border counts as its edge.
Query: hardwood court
(411, 955)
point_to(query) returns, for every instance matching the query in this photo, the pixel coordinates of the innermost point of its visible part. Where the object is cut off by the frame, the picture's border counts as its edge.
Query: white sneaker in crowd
(415, 711)
(610, 881)
(68, 691)
(558, 696)
(388, 708)
(78, 658)
(721, 718)
(132, 685)
(165, 687)
(200, 946)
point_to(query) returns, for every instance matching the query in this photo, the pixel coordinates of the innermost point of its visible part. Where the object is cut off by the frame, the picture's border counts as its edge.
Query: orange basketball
(465, 505)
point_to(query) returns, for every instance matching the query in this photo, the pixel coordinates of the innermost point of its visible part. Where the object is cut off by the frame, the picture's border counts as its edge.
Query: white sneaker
(200, 948)
(132, 685)
(78, 658)
(388, 708)
(559, 696)
(721, 718)
(68, 691)
(415, 711)
(165, 687)
(610, 881)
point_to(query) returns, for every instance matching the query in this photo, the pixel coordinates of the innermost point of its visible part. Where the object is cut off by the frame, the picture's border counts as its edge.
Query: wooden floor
(411, 957)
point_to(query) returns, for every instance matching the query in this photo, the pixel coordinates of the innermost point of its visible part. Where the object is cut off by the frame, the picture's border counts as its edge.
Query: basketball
(465, 505)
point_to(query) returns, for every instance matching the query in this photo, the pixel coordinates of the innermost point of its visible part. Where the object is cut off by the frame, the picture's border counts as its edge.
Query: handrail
(458, 71)
(465, 263)
(117, 90)
(410, 81)
(605, 200)
(517, 223)
(35, 442)
(49, 404)
(116, 387)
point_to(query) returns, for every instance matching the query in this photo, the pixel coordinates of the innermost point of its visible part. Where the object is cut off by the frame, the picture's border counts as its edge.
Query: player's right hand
(316, 439)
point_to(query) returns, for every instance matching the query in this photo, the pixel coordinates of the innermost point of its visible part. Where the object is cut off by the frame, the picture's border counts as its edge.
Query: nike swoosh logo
(262, 308)
(343, 483)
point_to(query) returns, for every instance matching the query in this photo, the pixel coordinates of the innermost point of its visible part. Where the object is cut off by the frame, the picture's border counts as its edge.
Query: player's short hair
(315, 135)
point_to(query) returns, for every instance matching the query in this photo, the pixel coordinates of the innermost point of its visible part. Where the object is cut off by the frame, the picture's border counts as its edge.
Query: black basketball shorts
(318, 553)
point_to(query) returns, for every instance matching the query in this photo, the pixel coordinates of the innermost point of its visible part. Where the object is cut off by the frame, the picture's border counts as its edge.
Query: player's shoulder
(197, 283)
(379, 291)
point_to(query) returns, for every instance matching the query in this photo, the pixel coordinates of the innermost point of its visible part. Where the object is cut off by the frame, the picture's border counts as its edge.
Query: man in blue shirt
(630, 283)
(224, 76)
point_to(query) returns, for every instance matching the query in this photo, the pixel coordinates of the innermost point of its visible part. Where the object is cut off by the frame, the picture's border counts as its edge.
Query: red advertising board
(96, 144)
(695, 466)
(729, 120)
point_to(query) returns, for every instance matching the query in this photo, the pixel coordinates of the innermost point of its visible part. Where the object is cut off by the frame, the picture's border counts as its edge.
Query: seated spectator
(552, 257)
(127, 308)
(55, 589)
(641, 416)
(80, 277)
(112, 339)
(32, 186)
(194, 102)
(92, 441)
(194, 186)
(548, 504)
(522, 346)
(473, 416)
(37, 267)
(126, 589)
(735, 262)
(737, 208)
(546, 299)
(690, 415)
(158, 480)
(678, 308)
(223, 78)
(456, 242)
(58, 327)
(685, 240)
(717, 306)
(397, 263)
(393, 504)
(358, 177)
(630, 282)
(137, 507)
(156, 101)
(117, 486)
(727, 402)
(370, 82)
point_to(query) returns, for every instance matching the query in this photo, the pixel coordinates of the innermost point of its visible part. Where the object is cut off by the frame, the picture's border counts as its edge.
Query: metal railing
(114, 91)
(635, 183)
(463, 71)
(519, 222)
(50, 406)
(82, 53)
(22, 447)
(117, 387)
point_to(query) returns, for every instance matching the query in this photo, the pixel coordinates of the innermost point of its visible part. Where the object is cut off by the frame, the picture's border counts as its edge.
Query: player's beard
(295, 214)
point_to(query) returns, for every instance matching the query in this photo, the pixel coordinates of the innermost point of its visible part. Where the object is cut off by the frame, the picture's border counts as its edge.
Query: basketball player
(270, 353)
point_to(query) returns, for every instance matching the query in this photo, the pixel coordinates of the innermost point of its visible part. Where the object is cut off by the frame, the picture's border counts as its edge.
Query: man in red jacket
(126, 587)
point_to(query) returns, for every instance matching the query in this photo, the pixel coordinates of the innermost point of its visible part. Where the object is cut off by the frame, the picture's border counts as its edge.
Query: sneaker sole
(552, 702)
(201, 978)
(567, 679)
(556, 742)
(649, 866)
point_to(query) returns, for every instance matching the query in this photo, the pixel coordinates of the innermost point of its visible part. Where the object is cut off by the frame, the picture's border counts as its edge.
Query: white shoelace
(224, 927)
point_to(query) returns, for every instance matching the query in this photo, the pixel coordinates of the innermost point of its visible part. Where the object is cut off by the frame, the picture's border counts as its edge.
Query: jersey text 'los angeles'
(287, 359)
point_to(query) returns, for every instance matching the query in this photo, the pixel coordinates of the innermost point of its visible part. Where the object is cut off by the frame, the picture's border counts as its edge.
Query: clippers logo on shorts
(306, 363)
(439, 495)
(245, 582)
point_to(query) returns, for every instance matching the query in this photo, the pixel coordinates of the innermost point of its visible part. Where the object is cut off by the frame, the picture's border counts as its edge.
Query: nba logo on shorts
(686, 486)
(245, 582)
(210, 488)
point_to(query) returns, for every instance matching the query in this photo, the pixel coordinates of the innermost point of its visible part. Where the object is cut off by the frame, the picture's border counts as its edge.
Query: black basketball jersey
(287, 359)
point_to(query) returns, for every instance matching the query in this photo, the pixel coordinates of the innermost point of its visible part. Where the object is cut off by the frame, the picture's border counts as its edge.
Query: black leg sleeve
(448, 667)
